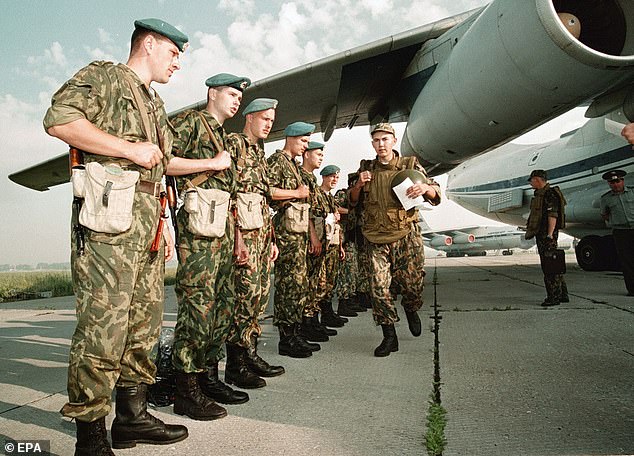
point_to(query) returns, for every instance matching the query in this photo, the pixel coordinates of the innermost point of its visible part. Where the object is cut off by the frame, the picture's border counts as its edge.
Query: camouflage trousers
(348, 273)
(400, 262)
(555, 284)
(322, 274)
(119, 308)
(291, 278)
(206, 298)
(252, 286)
(364, 265)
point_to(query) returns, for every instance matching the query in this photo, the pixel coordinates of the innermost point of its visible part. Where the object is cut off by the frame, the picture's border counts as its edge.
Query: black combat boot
(321, 327)
(236, 371)
(389, 343)
(344, 309)
(133, 424)
(329, 317)
(413, 321)
(289, 345)
(309, 332)
(301, 340)
(92, 439)
(354, 304)
(214, 388)
(257, 365)
(191, 401)
(364, 300)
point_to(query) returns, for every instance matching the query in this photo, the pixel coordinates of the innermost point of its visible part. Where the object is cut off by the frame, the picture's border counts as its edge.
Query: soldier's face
(537, 182)
(226, 101)
(261, 122)
(331, 181)
(165, 58)
(296, 145)
(314, 158)
(383, 143)
(617, 186)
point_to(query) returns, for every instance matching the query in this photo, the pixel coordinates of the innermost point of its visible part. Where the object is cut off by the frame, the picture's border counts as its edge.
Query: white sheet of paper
(405, 200)
(613, 127)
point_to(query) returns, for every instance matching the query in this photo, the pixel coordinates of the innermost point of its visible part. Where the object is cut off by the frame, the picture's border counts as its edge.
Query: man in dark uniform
(103, 110)
(545, 220)
(617, 209)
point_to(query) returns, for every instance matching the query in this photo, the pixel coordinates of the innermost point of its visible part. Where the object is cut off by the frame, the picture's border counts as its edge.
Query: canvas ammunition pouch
(208, 210)
(108, 193)
(296, 217)
(249, 207)
(327, 229)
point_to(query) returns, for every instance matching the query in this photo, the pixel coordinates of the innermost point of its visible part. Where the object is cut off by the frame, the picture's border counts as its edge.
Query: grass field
(16, 286)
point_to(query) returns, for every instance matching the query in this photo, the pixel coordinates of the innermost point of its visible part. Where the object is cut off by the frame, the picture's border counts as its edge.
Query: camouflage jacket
(251, 166)
(191, 140)
(284, 173)
(101, 94)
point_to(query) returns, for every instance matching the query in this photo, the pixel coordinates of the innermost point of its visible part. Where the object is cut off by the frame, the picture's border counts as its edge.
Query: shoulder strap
(145, 118)
(202, 177)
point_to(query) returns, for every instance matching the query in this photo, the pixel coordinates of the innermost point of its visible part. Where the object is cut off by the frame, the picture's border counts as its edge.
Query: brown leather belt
(149, 187)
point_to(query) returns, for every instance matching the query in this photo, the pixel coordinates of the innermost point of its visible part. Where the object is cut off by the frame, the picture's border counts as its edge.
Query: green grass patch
(16, 286)
(435, 440)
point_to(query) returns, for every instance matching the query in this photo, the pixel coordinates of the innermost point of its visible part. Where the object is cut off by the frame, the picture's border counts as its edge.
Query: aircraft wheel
(590, 254)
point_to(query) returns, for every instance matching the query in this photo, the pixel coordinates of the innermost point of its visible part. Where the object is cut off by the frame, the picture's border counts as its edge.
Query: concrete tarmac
(516, 378)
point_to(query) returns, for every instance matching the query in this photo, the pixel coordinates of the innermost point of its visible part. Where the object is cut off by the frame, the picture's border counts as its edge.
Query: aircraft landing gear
(597, 253)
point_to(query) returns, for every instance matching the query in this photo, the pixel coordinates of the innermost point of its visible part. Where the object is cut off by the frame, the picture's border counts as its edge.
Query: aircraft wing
(343, 90)
(347, 89)
(44, 175)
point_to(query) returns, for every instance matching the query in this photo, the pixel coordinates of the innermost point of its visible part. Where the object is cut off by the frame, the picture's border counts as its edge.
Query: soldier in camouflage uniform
(252, 279)
(334, 252)
(205, 275)
(288, 196)
(545, 220)
(103, 110)
(348, 275)
(321, 207)
(395, 245)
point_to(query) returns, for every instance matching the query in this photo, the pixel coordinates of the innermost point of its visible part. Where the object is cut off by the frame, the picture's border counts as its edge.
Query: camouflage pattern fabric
(347, 273)
(253, 280)
(291, 273)
(119, 291)
(402, 262)
(546, 203)
(205, 276)
(555, 284)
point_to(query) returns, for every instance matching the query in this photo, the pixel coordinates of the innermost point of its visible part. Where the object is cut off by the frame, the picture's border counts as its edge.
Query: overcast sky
(45, 43)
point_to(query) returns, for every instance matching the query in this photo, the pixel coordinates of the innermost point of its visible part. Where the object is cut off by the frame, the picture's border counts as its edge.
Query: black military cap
(614, 175)
(538, 173)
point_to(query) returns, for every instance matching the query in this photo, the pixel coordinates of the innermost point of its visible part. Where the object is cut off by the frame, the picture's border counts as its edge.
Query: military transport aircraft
(475, 240)
(465, 85)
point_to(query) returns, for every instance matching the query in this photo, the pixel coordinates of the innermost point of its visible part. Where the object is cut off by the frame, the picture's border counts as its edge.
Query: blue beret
(229, 80)
(315, 145)
(260, 104)
(329, 170)
(299, 129)
(163, 28)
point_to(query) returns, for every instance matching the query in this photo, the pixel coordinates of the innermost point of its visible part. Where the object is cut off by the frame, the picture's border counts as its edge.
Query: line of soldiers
(227, 241)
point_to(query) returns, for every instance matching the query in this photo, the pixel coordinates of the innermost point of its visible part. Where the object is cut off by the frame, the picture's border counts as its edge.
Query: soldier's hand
(364, 176)
(314, 248)
(417, 190)
(275, 252)
(302, 192)
(169, 244)
(145, 154)
(628, 132)
(220, 162)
